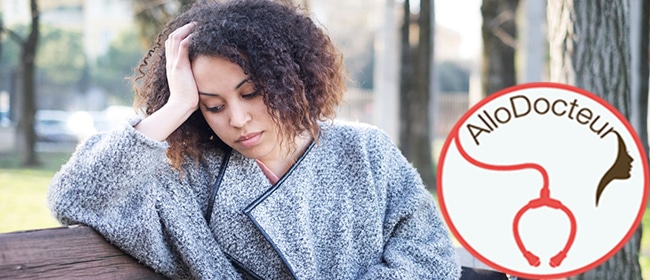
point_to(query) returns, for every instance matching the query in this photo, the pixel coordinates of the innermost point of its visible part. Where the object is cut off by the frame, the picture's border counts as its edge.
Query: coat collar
(278, 212)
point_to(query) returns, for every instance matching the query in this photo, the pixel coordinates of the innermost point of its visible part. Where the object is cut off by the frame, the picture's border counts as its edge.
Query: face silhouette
(623, 165)
(620, 169)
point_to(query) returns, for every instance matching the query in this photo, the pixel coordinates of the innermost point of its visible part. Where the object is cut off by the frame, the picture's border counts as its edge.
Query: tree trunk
(420, 118)
(28, 104)
(415, 141)
(639, 41)
(406, 72)
(589, 48)
(499, 45)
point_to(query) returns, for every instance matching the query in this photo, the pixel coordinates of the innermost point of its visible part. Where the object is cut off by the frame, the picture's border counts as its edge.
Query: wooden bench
(74, 252)
(78, 252)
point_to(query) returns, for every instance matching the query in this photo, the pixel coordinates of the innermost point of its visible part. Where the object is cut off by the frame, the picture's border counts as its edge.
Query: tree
(61, 55)
(589, 48)
(151, 16)
(499, 33)
(415, 89)
(27, 111)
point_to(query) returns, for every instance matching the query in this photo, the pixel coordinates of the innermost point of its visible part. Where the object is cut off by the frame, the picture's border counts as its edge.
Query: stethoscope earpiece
(544, 200)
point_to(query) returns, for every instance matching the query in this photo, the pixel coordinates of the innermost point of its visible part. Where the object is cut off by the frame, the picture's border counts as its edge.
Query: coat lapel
(282, 214)
(241, 241)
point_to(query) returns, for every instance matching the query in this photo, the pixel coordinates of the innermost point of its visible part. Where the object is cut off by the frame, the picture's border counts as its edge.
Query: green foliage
(117, 64)
(60, 56)
(10, 52)
(151, 16)
(62, 65)
(9, 59)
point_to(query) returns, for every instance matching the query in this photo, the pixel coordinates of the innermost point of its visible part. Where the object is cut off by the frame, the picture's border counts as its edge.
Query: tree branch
(495, 27)
(13, 35)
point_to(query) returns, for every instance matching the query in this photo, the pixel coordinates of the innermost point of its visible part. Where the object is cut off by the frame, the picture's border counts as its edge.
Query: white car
(53, 126)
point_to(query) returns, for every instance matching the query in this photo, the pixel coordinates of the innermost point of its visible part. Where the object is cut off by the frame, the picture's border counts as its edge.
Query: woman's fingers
(182, 86)
(183, 94)
(178, 41)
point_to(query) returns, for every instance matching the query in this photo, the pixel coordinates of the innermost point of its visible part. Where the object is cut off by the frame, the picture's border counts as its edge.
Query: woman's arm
(120, 184)
(108, 185)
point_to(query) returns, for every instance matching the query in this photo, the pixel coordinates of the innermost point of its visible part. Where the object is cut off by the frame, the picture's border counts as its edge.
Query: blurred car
(113, 117)
(53, 126)
(64, 126)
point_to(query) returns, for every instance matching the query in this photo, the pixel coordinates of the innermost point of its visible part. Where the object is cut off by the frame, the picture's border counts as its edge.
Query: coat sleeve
(417, 244)
(120, 184)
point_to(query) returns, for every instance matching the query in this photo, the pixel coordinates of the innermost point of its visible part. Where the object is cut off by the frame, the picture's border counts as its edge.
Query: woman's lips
(249, 140)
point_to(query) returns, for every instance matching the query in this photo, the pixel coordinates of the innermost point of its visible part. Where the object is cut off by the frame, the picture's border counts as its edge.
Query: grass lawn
(22, 192)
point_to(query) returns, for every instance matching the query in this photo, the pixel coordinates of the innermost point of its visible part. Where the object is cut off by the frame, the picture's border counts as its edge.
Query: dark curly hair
(285, 54)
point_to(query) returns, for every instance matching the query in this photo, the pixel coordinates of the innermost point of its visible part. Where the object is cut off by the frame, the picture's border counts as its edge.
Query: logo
(542, 180)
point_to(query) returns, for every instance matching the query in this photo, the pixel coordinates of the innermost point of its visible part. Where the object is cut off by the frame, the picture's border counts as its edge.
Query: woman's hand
(183, 93)
(182, 87)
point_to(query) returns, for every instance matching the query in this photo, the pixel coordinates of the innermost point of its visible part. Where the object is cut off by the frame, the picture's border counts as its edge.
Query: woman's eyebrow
(208, 94)
(242, 82)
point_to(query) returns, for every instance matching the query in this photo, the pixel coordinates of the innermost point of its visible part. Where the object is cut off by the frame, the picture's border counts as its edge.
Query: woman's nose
(239, 115)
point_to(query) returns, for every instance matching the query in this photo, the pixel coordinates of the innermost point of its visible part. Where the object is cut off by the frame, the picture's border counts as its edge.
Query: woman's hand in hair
(183, 93)
(182, 87)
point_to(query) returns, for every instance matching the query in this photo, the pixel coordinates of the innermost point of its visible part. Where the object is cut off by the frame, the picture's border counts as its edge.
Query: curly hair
(292, 61)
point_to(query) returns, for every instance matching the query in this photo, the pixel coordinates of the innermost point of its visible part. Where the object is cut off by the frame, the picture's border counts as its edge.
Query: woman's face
(234, 108)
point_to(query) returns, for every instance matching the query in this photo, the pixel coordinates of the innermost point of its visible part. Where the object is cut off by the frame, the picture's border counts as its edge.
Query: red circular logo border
(473, 109)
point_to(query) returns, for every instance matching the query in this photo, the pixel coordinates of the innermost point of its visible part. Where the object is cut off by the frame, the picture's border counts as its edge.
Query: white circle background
(480, 204)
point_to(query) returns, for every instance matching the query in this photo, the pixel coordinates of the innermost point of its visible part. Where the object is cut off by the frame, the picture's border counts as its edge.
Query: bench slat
(78, 252)
(74, 252)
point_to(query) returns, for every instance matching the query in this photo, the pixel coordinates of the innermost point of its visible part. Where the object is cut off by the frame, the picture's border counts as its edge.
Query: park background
(413, 74)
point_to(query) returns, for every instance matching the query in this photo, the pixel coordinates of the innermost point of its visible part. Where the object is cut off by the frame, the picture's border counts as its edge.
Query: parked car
(64, 126)
(53, 126)
(113, 117)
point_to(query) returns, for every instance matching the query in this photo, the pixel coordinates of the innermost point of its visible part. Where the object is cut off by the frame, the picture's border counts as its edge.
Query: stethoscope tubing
(543, 200)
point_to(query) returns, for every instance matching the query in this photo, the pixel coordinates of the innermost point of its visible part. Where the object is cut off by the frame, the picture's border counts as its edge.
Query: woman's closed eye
(251, 95)
(220, 108)
(214, 109)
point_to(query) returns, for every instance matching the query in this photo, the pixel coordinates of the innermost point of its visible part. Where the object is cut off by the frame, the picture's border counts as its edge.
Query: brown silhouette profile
(619, 170)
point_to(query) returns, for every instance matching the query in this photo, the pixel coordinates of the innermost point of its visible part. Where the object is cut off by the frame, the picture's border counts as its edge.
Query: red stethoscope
(543, 200)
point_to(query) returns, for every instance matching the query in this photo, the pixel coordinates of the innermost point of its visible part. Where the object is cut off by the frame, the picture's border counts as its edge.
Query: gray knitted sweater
(352, 207)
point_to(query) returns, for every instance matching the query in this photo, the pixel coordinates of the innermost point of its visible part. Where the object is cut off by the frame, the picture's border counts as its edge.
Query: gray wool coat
(351, 207)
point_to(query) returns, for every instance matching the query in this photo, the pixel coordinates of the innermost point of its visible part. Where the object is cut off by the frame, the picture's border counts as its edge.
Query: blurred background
(86, 49)
(416, 67)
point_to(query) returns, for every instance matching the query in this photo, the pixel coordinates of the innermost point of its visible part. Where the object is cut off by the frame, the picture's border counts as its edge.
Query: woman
(236, 172)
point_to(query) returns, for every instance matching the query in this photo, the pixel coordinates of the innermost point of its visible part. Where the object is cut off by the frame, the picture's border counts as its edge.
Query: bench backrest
(74, 252)
(78, 252)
